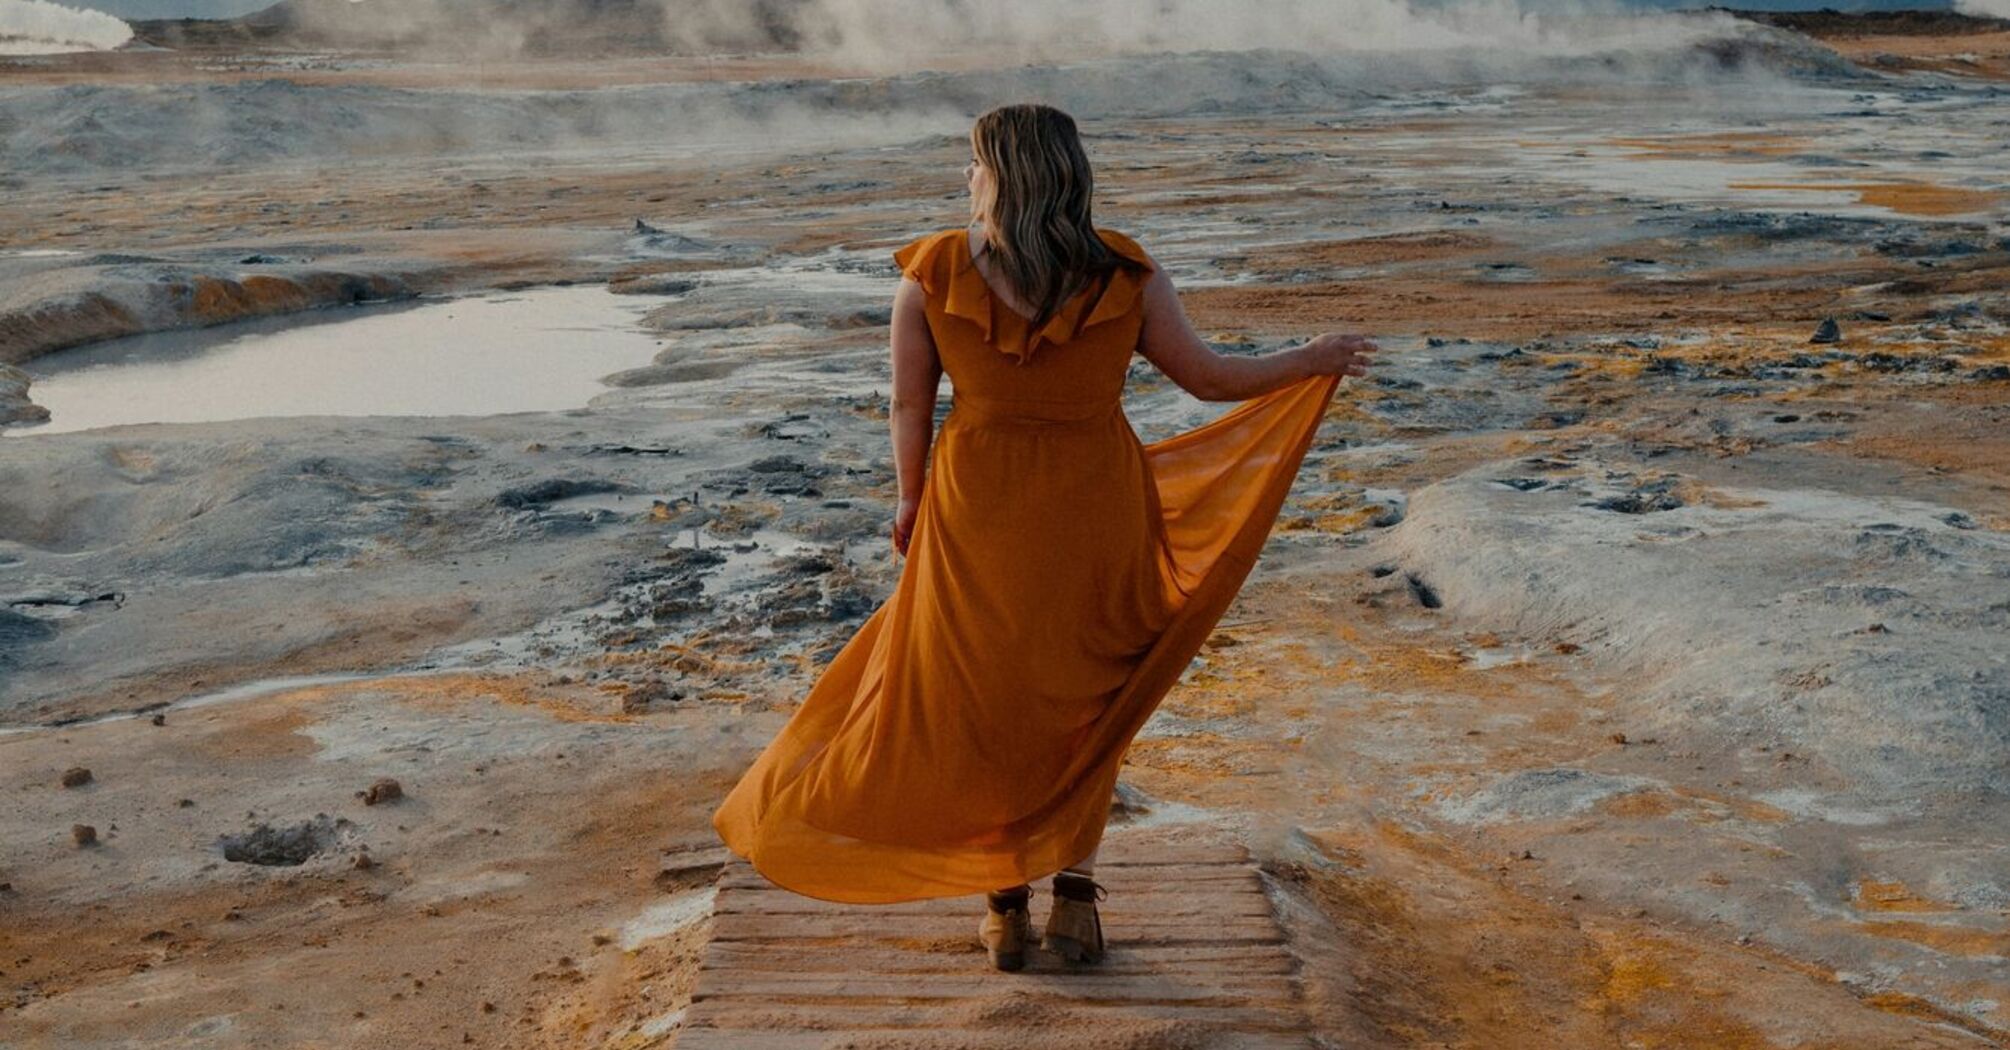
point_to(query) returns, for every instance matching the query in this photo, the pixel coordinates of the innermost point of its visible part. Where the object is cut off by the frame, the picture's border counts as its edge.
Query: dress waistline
(1029, 411)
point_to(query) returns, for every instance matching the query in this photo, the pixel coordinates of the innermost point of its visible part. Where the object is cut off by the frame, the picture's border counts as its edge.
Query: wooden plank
(738, 926)
(1170, 876)
(952, 1014)
(753, 1039)
(1104, 873)
(1123, 958)
(1116, 909)
(1159, 987)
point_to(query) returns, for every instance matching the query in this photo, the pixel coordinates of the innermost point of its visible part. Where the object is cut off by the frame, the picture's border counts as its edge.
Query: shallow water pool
(535, 350)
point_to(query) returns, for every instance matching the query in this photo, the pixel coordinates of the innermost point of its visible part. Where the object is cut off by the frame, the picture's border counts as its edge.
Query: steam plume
(36, 27)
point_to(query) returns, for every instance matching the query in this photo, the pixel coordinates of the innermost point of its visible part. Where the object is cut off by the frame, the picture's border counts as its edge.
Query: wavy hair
(1036, 215)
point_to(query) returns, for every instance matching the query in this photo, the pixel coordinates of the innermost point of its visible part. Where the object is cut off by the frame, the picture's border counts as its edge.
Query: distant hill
(1915, 21)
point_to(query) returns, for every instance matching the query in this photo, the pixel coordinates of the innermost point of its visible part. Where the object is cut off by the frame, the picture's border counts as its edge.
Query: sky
(229, 8)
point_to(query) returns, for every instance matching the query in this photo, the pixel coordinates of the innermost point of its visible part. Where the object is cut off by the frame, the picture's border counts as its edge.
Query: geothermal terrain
(1630, 668)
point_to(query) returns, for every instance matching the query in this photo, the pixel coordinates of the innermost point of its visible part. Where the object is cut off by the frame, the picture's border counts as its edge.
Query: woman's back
(1075, 362)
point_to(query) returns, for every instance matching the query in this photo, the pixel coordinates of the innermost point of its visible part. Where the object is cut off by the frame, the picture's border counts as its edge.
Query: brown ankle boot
(1007, 927)
(1074, 930)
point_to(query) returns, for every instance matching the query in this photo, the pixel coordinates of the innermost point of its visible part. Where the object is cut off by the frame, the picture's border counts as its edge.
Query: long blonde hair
(1036, 215)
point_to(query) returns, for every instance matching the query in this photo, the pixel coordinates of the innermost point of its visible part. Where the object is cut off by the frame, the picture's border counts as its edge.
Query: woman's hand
(1341, 355)
(903, 523)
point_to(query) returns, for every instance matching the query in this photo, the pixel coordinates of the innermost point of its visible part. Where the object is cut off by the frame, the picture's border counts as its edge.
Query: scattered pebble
(76, 776)
(84, 834)
(384, 789)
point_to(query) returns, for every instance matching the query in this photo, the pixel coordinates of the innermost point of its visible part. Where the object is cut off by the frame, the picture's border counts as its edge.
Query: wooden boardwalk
(1196, 961)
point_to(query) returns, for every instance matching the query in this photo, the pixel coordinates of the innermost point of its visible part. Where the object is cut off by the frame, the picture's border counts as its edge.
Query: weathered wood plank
(1117, 879)
(752, 1039)
(952, 1014)
(1186, 903)
(1140, 929)
(1123, 958)
(756, 1038)
(1194, 946)
(1143, 988)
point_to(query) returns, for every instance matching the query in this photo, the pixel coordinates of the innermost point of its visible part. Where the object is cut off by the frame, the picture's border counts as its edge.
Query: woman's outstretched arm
(1169, 342)
(911, 410)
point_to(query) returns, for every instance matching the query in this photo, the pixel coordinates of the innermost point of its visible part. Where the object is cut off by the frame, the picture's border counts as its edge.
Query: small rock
(384, 790)
(1128, 804)
(76, 776)
(160, 720)
(1829, 332)
(776, 464)
(1619, 738)
(642, 695)
(651, 284)
(84, 834)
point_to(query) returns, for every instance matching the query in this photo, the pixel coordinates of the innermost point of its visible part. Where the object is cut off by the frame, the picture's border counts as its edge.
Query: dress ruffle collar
(970, 297)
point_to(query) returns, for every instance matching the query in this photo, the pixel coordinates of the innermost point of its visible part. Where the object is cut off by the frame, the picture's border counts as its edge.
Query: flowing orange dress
(1059, 577)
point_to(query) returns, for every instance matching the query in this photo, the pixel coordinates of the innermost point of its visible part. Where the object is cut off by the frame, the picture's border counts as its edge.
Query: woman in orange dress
(1059, 575)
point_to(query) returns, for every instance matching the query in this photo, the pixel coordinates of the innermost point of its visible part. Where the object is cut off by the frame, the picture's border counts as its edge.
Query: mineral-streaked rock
(14, 404)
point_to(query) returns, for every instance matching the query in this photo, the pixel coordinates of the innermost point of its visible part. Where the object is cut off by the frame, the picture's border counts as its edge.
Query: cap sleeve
(1127, 287)
(923, 259)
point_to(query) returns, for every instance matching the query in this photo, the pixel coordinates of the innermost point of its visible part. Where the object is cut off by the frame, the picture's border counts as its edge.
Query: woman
(1058, 574)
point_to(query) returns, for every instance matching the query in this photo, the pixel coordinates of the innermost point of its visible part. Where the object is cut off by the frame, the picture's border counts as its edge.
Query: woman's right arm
(1169, 342)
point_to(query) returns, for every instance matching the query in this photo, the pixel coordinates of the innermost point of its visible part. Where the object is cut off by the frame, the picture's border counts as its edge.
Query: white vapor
(1984, 8)
(890, 36)
(37, 27)
(881, 33)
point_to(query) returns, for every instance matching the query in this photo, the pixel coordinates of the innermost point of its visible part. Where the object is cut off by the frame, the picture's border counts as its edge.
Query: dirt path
(1196, 959)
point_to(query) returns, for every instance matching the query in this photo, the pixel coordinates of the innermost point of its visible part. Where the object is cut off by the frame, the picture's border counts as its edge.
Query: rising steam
(880, 32)
(890, 36)
(36, 27)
